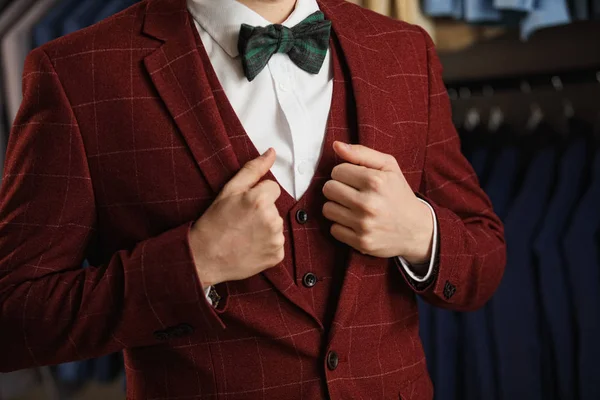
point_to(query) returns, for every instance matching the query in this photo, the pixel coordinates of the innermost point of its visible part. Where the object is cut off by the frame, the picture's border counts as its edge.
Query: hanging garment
(15, 45)
(554, 282)
(477, 11)
(11, 13)
(443, 8)
(112, 7)
(447, 368)
(582, 259)
(82, 16)
(516, 5)
(50, 27)
(546, 14)
(515, 305)
(480, 358)
(4, 127)
(427, 333)
(580, 9)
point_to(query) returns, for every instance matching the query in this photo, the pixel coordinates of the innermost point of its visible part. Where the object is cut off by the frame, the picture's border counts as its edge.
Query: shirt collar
(222, 19)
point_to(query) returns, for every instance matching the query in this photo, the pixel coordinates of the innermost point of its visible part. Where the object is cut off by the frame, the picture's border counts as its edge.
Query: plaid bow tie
(306, 44)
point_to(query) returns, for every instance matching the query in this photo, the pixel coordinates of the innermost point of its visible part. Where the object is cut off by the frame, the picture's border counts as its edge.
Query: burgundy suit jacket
(117, 149)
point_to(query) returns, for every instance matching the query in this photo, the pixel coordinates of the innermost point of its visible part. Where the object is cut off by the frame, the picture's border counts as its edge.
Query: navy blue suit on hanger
(112, 7)
(50, 27)
(553, 279)
(82, 16)
(480, 382)
(582, 257)
(515, 305)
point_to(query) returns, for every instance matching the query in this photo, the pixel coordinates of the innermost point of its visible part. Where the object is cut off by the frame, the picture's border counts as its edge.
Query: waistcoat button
(301, 216)
(332, 360)
(309, 279)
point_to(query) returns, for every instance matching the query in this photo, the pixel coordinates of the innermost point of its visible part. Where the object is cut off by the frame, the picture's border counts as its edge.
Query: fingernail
(266, 153)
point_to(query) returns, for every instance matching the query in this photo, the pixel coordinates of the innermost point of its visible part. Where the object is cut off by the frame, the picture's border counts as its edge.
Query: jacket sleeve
(471, 248)
(51, 309)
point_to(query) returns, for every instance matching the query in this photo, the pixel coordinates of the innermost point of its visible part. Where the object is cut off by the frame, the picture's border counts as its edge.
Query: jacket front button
(309, 280)
(332, 360)
(301, 216)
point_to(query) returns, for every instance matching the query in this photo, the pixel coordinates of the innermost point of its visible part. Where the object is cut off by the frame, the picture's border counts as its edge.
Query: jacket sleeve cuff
(172, 288)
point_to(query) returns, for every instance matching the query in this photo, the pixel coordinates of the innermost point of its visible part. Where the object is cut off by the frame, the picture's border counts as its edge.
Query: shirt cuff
(416, 271)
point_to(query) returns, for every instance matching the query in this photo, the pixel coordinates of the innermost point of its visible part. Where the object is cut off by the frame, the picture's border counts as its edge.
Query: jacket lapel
(374, 131)
(178, 73)
(176, 70)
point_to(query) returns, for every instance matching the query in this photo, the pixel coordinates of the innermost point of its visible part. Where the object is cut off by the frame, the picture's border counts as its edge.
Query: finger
(250, 173)
(355, 176)
(345, 235)
(340, 214)
(362, 155)
(268, 190)
(343, 194)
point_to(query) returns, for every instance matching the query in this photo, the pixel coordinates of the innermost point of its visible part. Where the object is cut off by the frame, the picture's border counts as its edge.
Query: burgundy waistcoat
(304, 235)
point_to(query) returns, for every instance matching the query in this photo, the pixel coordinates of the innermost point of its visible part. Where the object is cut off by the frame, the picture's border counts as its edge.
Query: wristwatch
(214, 296)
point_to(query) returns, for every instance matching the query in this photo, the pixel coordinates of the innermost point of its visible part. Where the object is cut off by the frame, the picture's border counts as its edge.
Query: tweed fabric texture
(120, 144)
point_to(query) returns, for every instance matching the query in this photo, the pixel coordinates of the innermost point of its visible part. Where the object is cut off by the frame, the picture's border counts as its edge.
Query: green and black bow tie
(306, 44)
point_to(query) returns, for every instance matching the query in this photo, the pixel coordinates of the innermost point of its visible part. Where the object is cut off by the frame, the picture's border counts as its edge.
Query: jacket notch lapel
(374, 131)
(176, 70)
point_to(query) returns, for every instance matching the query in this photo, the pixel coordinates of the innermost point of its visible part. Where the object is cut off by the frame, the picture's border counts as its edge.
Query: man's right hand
(241, 233)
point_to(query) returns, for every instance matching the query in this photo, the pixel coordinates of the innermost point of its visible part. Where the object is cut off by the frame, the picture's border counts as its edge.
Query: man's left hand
(373, 208)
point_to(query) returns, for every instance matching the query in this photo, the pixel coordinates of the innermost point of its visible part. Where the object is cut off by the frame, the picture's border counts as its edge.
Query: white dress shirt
(284, 107)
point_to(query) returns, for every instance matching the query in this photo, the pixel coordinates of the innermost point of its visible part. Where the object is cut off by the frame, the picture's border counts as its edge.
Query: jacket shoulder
(374, 22)
(119, 31)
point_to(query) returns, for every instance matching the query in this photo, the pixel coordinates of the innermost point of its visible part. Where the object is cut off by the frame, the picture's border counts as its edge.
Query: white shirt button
(303, 167)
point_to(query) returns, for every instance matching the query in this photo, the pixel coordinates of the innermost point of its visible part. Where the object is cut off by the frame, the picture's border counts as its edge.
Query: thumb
(250, 174)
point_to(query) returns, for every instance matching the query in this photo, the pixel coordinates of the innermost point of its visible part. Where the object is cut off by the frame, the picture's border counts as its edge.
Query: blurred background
(524, 80)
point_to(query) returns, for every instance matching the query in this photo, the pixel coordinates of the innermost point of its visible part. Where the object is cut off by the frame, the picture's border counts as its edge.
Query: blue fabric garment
(448, 372)
(443, 8)
(553, 279)
(517, 5)
(82, 16)
(580, 9)
(478, 160)
(426, 333)
(112, 7)
(501, 180)
(480, 358)
(548, 13)
(583, 267)
(50, 27)
(480, 11)
(515, 306)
